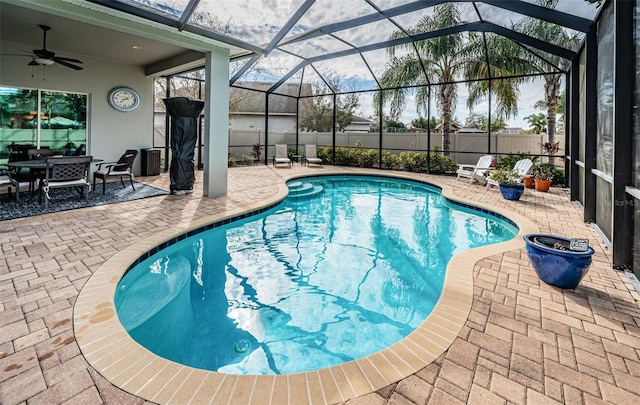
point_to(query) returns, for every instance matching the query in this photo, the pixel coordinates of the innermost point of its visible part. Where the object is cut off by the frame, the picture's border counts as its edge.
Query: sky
(356, 72)
(530, 93)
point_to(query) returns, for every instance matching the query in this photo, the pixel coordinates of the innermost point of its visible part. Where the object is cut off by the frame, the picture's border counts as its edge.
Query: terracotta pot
(542, 185)
(528, 182)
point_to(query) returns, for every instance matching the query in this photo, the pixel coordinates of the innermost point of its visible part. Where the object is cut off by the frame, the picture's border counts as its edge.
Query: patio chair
(35, 175)
(311, 156)
(7, 181)
(522, 166)
(121, 168)
(66, 172)
(479, 171)
(281, 155)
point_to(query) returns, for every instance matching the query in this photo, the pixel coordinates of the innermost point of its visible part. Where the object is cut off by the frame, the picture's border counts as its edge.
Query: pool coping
(125, 363)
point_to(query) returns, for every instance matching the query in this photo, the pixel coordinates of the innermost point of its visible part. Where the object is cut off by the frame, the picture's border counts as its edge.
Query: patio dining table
(38, 167)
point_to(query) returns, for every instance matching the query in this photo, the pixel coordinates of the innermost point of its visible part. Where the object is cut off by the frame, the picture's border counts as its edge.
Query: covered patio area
(522, 342)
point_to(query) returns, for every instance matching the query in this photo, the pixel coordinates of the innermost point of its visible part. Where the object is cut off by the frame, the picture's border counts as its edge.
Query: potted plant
(543, 175)
(529, 181)
(556, 261)
(509, 183)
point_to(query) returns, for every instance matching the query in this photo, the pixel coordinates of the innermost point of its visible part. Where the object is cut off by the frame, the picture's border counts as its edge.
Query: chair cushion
(104, 172)
(68, 183)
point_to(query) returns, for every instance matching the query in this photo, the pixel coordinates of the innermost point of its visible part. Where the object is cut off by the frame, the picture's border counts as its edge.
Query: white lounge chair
(479, 171)
(281, 155)
(311, 156)
(522, 166)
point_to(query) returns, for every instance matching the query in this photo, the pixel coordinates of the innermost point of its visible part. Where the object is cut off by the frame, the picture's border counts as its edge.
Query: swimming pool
(250, 292)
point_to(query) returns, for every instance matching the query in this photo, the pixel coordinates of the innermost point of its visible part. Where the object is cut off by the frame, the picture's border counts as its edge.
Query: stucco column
(216, 128)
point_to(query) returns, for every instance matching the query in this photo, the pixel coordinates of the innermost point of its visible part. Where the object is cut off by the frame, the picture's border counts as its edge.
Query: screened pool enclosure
(555, 80)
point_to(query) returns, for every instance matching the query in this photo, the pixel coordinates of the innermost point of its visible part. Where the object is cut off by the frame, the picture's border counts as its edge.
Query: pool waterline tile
(389, 364)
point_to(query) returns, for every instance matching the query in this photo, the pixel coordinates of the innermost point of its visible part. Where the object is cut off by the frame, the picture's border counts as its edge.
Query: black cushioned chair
(120, 169)
(7, 181)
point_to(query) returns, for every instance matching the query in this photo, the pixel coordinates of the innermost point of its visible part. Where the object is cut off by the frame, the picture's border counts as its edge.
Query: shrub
(508, 162)
(247, 160)
(257, 150)
(413, 161)
(231, 162)
(389, 160)
(440, 163)
(346, 157)
(368, 157)
(324, 153)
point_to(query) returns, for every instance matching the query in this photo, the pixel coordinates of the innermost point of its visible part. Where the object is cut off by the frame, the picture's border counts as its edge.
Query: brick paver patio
(524, 342)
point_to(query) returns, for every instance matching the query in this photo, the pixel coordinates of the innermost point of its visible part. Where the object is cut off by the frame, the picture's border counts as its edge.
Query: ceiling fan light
(43, 61)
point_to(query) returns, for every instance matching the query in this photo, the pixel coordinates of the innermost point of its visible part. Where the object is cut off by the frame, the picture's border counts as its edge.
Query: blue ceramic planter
(512, 192)
(559, 268)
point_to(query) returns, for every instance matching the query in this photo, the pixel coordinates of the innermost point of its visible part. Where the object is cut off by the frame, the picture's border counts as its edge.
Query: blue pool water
(349, 268)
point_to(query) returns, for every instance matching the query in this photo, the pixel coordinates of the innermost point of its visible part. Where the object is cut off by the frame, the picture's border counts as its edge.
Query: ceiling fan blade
(67, 64)
(43, 53)
(59, 58)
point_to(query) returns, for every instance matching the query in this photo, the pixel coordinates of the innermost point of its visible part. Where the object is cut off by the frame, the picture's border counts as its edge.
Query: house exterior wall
(279, 123)
(109, 132)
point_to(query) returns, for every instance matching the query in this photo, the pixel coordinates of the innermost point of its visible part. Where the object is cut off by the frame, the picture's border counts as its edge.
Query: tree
(394, 124)
(440, 58)
(555, 34)
(537, 122)
(560, 110)
(443, 59)
(421, 122)
(481, 121)
(316, 113)
(492, 57)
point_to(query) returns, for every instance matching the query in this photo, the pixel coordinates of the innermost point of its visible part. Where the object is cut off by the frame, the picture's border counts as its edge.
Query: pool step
(299, 189)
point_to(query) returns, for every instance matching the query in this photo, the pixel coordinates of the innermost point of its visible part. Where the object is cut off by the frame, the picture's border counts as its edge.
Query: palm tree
(505, 58)
(443, 59)
(557, 35)
(537, 122)
(440, 61)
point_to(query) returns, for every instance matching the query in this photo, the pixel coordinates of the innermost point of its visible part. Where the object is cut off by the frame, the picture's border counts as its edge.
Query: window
(41, 119)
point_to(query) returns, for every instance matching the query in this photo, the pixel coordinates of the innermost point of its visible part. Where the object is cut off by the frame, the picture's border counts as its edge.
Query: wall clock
(123, 98)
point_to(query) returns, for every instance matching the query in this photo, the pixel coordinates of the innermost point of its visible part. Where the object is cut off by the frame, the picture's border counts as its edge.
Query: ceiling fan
(44, 57)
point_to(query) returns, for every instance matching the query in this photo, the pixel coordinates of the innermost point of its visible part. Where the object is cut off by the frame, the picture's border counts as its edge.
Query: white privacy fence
(241, 142)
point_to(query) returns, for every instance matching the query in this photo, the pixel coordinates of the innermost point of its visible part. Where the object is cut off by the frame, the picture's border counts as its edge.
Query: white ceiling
(20, 25)
(97, 35)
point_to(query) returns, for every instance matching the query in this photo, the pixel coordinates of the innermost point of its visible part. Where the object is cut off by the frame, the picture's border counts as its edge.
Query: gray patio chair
(311, 155)
(281, 155)
(66, 172)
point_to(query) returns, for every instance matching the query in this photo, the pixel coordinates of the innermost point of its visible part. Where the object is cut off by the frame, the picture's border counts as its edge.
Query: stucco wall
(110, 132)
